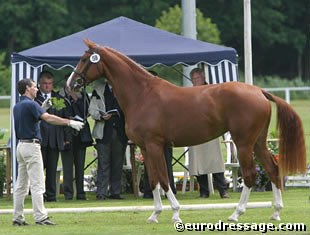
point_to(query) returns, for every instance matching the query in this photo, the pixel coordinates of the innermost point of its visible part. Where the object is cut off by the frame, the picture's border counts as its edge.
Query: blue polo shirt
(27, 115)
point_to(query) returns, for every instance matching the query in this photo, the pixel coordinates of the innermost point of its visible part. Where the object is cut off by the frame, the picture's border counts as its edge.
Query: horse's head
(87, 70)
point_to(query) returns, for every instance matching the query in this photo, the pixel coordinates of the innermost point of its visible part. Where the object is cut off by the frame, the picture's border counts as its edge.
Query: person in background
(207, 158)
(111, 140)
(73, 156)
(54, 138)
(27, 115)
(168, 156)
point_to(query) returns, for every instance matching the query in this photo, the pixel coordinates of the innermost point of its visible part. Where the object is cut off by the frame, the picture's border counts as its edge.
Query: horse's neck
(127, 86)
(127, 81)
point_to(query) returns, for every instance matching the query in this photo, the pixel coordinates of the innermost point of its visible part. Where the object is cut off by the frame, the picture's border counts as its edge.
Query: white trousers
(30, 172)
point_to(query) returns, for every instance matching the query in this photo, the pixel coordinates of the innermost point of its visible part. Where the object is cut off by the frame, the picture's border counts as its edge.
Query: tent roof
(145, 44)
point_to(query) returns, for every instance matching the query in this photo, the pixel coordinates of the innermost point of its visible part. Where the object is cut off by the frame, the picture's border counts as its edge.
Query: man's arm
(55, 120)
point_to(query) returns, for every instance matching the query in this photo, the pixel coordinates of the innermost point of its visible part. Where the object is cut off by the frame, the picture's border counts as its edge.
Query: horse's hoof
(152, 221)
(275, 217)
(174, 220)
(233, 218)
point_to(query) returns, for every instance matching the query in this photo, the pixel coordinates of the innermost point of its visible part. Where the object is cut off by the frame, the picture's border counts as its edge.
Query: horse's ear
(89, 43)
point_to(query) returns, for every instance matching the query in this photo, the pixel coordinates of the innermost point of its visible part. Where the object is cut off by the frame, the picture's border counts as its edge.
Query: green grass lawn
(296, 210)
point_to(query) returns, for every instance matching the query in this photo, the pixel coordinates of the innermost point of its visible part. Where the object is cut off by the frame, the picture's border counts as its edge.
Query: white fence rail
(288, 90)
(5, 97)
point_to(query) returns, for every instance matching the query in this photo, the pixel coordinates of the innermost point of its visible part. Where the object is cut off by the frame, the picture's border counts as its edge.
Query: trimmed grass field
(296, 210)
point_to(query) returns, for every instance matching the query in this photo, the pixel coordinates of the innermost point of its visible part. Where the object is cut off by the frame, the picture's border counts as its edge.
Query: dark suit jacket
(115, 122)
(53, 136)
(80, 108)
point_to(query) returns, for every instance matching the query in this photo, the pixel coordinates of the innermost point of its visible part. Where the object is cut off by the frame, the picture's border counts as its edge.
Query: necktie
(45, 96)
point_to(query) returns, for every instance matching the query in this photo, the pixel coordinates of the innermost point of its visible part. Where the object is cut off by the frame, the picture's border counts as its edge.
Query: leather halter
(81, 80)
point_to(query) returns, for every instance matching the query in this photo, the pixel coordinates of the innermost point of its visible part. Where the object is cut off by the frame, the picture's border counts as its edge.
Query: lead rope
(85, 102)
(182, 74)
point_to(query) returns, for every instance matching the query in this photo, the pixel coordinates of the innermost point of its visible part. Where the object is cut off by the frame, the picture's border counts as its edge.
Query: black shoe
(81, 198)
(224, 195)
(204, 195)
(101, 197)
(45, 222)
(116, 196)
(18, 223)
(50, 200)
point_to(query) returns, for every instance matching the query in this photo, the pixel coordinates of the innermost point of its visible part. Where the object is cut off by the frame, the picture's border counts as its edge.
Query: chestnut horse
(159, 113)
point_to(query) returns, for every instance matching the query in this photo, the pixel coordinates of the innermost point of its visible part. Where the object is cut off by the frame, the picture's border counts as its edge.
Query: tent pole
(189, 30)
(248, 74)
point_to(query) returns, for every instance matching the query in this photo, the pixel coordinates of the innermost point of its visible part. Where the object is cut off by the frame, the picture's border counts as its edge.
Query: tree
(5, 76)
(171, 20)
(29, 23)
(280, 33)
(88, 13)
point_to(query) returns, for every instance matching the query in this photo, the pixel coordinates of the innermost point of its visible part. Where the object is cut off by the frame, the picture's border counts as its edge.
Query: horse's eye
(79, 81)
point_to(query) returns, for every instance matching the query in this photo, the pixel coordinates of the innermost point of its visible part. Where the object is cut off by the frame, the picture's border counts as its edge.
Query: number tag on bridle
(94, 58)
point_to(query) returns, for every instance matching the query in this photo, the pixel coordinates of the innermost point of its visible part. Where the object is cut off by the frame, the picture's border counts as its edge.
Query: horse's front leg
(242, 204)
(175, 206)
(278, 203)
(158, 207)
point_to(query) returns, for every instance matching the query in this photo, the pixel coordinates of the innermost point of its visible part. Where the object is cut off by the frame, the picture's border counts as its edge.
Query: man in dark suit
(73, 157)
(53, 137)
(111, 144)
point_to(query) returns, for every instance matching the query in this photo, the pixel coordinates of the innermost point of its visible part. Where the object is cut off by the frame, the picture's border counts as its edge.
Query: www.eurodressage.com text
(222, 226)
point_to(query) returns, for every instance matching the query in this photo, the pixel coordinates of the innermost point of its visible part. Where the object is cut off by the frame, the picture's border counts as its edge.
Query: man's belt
(35, 141)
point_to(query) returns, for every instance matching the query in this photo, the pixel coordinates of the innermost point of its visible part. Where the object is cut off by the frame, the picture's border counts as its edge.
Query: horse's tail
(292, 150)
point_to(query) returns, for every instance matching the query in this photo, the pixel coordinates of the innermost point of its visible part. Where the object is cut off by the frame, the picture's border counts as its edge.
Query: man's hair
(22, 84)
(197, 70)
(46, 74)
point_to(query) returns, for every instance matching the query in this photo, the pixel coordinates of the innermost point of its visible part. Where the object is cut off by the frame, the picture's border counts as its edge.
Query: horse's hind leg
(271, 167)
(242, 204)
(278, 203)
(248, 174)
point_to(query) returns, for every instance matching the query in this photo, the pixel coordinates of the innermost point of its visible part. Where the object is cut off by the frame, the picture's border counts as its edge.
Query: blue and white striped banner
(20, 70)
(224, 71)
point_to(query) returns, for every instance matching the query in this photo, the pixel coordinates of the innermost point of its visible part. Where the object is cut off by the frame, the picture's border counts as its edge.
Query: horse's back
(211, 110)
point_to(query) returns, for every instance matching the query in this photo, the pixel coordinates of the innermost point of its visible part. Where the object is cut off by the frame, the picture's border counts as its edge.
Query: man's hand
(106, 116)
(47, 104)
(76, 125)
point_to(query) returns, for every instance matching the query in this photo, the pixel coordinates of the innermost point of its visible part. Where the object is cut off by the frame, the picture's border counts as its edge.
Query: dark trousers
(74, 158)
(168, 157)
(50, 161)
(218, 179)
(110, 165)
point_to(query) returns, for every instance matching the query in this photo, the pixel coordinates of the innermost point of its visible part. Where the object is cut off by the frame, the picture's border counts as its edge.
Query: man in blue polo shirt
(27, 115)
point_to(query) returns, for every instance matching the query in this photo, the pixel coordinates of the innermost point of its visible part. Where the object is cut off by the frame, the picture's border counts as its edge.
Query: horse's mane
(121, 56)
(129, 61)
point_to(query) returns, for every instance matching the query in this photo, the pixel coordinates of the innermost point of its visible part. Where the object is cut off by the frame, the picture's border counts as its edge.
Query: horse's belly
(191, 138)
